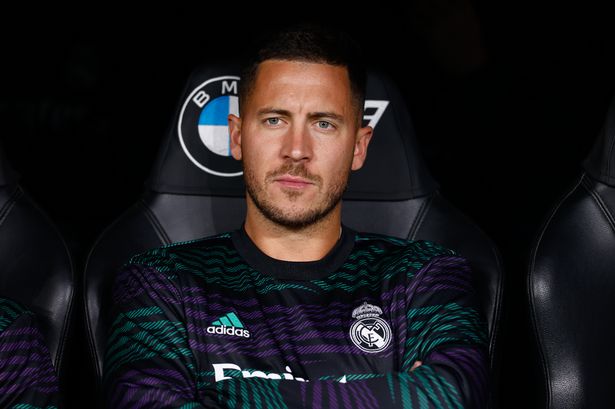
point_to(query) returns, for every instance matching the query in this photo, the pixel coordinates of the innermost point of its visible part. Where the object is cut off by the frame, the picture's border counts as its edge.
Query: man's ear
(364, 135)
(234, 128)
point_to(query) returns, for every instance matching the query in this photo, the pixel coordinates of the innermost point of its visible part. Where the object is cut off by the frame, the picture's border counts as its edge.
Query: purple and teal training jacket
(27, 376)
(217, 323)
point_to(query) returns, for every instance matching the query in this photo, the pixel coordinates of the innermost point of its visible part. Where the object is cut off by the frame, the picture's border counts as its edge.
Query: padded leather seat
(193, 192)
(37, 269)
(571, 283)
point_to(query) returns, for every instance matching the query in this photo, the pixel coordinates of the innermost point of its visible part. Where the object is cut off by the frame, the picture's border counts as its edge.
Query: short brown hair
(309, 43)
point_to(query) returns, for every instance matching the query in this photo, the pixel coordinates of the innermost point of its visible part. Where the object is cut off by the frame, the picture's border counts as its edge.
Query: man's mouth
(293, 181)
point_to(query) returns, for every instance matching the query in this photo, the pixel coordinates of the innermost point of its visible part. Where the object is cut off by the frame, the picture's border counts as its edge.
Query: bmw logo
(203, 127)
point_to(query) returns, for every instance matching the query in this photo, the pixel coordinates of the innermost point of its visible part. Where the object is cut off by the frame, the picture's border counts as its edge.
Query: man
(27, 377)
(295, 309)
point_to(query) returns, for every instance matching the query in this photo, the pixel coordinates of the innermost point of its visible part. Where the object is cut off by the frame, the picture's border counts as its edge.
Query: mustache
(294, 170)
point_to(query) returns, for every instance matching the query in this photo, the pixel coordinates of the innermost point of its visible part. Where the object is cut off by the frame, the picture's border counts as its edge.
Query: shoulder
(159, 271)
(181, 254)
(418, 250)
(11, 312)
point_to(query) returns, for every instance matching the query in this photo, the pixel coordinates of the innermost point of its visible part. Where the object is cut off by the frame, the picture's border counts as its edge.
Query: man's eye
(273, 121)
(324, 125)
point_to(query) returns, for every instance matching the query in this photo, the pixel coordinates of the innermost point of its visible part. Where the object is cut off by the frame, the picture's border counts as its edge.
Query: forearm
(437, 384)
(126, 395)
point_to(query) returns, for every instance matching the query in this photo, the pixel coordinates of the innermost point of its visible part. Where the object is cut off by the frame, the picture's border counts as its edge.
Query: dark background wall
(507, 100)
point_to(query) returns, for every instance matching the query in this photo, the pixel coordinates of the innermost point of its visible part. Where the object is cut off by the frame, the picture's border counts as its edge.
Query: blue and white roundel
(213, 124)
(202, 126)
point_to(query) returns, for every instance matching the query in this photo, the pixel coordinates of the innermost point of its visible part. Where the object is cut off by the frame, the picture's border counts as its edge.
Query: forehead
(300, 83)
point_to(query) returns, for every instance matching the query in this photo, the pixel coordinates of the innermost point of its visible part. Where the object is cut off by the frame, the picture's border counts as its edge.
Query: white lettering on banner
(380, 106)
(226, 87)
(200, 98)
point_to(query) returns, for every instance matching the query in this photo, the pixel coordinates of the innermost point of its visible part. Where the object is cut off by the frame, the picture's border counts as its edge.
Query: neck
(310, 243)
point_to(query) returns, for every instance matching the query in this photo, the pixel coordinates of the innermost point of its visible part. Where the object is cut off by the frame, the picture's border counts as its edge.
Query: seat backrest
(37, 269)
(571, 281)
(196, 189)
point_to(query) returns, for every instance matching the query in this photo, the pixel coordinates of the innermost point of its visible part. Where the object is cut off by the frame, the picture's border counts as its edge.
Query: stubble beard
(294, 220)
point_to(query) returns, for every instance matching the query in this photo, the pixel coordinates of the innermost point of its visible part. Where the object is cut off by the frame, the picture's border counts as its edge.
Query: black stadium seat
(196, 189)
(571, 282)
(37, 268)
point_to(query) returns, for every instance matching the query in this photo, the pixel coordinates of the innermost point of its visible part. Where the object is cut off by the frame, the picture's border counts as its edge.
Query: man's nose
(297, 143)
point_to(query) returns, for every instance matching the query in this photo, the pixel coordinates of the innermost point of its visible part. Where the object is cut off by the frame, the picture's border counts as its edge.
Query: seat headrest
(195, 156)
(600, 163)
(394, 168)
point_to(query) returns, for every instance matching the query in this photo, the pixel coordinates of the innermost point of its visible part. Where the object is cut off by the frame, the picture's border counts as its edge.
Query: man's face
(298, 138)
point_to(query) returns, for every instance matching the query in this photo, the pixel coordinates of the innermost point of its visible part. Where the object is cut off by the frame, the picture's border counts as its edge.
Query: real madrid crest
(203, 129)
(369, 332)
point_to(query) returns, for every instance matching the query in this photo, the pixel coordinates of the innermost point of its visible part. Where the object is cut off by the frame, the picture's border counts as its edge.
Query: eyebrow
(311, 115)
(330, 115)
(271, 110)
